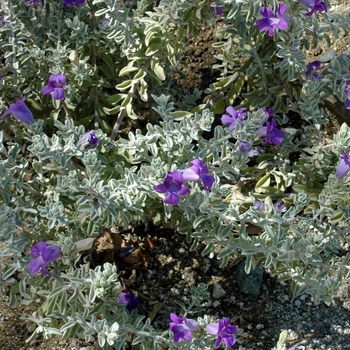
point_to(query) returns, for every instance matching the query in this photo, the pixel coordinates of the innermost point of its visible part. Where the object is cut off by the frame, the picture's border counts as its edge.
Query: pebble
(218, 291)
(216, 303)
(297, 303)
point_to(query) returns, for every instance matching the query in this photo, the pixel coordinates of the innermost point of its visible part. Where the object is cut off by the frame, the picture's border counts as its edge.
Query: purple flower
(199, 171)
(280, 207)
(246, 149)
(347, 93)
(182, 327)
(232, 117)
(259, 205)
(224, 332)
(173, 185)
(89, 138)
(20, 111)
(273, 21)
(130, 300)
(272, 134)
(268, 112)
(70, 3)
(315, 5)
(219, 11)
(42, 255)
(310, 70)
(343, 167)
(104, 20)
(55, 86)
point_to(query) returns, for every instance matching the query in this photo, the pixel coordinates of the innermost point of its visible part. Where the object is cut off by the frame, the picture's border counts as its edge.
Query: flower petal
(37, 249)
(58, 94)
(20, 111)
(183, 190)
(208, 182)
(51, 253)
(192, 324)
(35, 265)
(162, 188)
(212, 328)
(47, 89)
(225, 119)
(189, 175)
(172, 198)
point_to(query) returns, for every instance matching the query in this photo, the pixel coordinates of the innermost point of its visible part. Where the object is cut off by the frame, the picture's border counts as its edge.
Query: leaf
(116, 98)
(128, 69)
(155, 309)
(139, 75)
(153, 48)
(8, 273)
(199, 220)
(218, 107)
(125, 85)
(226, 252)
(182, 114)
(263, 182)
(159, 71)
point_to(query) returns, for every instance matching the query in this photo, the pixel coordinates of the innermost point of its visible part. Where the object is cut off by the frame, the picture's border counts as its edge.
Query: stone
(218, 291)
(249, 283)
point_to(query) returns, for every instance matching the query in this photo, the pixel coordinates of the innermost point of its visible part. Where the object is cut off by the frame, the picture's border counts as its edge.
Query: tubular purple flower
(259, 205)
(42, 255)
(268, 113)
(232, 116)
(129, 300)
(199, 171)
(55, 86)
(224, 332)
(273, 21)
(182, 327)
(347, 93)
(219, 10)
(89, 138)
(70, 3)
(343, 167)
(173, 186)
(310, 71)
(272, 134)
(246, 149)
(280, 207)
(315, 5)
(20, 111)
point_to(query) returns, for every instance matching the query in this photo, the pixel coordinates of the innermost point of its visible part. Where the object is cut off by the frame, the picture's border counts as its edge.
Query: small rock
(297, 303)
(303, 297)
(251, 283)
(216, 303)
(218, 291)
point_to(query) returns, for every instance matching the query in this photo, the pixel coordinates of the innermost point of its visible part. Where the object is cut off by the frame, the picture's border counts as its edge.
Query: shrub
(255, 153)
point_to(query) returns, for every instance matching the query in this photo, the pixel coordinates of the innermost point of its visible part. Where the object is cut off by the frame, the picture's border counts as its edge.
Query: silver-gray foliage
(56, 191)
